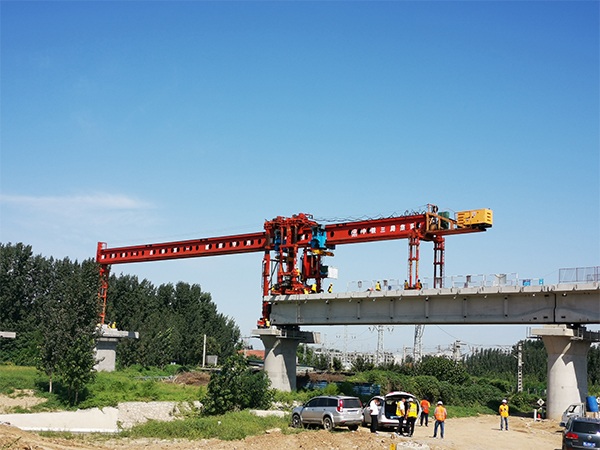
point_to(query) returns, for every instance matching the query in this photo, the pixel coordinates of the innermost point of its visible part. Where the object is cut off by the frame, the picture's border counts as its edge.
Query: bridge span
(522, 305)
(560, 311)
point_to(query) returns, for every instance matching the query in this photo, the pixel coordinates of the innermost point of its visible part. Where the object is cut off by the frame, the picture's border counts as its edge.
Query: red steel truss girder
(228, 245)
(337, 234)
(390, 228)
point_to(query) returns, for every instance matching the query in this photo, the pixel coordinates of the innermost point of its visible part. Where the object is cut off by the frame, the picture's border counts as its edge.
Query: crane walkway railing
(455, 281)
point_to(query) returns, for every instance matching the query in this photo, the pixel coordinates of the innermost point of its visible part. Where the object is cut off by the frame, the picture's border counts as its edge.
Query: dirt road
(476, 433)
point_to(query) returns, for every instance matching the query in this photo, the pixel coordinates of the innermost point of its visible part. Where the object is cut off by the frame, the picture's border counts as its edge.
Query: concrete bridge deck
(522, 305)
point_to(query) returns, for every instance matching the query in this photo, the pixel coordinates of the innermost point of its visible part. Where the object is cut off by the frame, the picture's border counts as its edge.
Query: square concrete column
(280, 354)
(106, 347)
(567, 366)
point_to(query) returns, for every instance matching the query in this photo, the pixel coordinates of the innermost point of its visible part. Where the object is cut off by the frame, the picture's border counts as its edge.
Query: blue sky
(142, 122)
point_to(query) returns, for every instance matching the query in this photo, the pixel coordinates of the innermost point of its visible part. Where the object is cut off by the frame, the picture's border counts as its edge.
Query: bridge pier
(106, 348)
(280, 354)
(567, 365)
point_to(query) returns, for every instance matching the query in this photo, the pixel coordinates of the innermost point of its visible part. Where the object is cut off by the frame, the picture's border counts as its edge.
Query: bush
(236, 388)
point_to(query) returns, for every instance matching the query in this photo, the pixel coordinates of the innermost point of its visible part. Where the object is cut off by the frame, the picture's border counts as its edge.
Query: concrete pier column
(280, 354)
(106, 347)
(567, 366)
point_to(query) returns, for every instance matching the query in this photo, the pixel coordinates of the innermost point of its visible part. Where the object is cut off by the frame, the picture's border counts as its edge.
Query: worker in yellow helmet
(314, 288)
(330, 288)
(411, 416)
(503, 415)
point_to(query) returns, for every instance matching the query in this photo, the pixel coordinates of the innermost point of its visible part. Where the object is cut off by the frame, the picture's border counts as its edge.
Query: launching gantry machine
(294, 248)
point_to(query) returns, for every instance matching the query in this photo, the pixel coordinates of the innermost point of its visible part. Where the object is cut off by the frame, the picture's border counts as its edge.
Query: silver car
(387, 411)
(329, 411)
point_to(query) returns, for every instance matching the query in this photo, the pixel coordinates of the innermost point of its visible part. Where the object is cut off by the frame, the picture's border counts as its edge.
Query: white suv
(330, 411)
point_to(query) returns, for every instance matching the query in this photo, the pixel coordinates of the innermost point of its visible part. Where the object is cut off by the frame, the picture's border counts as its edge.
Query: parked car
(574, 410)
(329, 411)
(387, 414)
(581, 433)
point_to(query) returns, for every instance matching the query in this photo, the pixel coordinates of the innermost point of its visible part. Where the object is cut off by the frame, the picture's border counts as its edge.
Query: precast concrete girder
(552, 304)
(8, 334)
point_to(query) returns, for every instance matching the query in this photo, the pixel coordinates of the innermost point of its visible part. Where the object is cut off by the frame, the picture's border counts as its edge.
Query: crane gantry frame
(294, 248)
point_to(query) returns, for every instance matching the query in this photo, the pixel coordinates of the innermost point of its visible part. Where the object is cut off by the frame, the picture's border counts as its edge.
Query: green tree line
(52, 306)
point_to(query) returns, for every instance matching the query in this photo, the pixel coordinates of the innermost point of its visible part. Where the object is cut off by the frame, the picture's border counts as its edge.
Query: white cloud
(80, 205)
(55, 222)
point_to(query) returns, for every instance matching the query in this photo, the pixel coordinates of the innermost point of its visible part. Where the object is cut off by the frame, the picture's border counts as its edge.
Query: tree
(236, 387)
(444, 369)
(24, 285)
(174, 320)
(362, 365)
(68, 327)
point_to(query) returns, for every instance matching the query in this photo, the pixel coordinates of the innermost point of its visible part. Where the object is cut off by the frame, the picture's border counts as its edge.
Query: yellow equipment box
(474, 218)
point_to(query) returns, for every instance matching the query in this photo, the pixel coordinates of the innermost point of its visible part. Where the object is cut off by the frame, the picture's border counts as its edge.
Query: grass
(227, 427)
(108, 389)
(17, 377)
(466, 411)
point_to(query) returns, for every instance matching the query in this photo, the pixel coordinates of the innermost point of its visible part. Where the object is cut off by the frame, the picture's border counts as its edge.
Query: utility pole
(204, 353)
(520, 367)
(380, 346)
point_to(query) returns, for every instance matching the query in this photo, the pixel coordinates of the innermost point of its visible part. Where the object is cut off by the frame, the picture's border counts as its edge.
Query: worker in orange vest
(440, 414)
(425, 411)
(503, 415)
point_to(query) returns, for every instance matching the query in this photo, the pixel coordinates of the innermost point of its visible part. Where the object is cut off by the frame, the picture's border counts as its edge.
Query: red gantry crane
(294, 248)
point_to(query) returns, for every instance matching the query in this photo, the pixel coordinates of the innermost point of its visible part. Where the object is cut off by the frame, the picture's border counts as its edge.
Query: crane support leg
(413, 260)
(102, 290)
(438, 262)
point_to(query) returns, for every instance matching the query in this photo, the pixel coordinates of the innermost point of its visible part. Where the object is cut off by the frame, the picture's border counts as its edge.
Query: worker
(306, 291)
(425, 411)
(406, 286)
(314, 288)
(503, 415)
(377, 286)
(374, 408)
(440, 414)
(267, 323)
(330, 288)
(401, 415)
(419, 285)
(114, 325)
(412, 411)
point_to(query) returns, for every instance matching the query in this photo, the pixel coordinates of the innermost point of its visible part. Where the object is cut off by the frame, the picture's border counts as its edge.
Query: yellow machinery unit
(476, 218)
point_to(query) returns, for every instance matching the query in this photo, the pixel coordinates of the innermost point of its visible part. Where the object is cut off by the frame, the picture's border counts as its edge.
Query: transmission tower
(346, 336)
(380, 352)
(456, 350)
(418, 345)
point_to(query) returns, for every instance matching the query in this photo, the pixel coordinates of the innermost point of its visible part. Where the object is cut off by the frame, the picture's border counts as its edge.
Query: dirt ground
(21, 397)
(475, 433)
